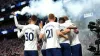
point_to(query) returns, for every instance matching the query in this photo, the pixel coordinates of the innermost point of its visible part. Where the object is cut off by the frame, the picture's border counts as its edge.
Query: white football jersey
(63, 40)
(31, 32)
(50, 31)
(74, 38)
(68, 23)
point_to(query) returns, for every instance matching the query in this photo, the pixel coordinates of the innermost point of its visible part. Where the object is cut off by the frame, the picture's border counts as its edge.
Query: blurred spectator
(5, 3)
(11, 47)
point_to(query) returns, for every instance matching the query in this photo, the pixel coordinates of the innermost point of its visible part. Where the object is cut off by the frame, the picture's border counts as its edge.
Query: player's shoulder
(30, 26)
(62, 24)
(54, 23)
(34, 26)
(37, 26)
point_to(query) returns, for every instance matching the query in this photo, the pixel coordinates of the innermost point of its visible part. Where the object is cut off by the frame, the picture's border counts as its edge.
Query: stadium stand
(11, 47)
(5, 3)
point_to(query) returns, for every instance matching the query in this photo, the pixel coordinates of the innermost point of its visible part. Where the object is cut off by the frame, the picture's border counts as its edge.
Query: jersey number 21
(49, 33)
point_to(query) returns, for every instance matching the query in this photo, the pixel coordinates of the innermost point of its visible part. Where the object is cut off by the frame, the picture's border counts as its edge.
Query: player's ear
(48, 19)
(54, 19)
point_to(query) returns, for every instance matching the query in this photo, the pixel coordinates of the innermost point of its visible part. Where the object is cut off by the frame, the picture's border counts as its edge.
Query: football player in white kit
(75, 44)
(52, 33)
(65, 43)
(43, 49)
(31, 31)
(76, 49)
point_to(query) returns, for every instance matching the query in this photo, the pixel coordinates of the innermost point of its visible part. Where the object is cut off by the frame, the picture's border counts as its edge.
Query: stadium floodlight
(23, 3)
(1, 19)
(19, 4)
(12, 6)
(11, 16)
(15, 30)
(2, 10)
(4, 32)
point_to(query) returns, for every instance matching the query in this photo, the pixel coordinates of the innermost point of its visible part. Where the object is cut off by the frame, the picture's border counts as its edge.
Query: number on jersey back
(49, 33)
(29, 36)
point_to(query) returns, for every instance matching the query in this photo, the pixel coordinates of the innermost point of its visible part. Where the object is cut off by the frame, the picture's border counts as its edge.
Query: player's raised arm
(41, 35)
(16, 22)
(20, 34)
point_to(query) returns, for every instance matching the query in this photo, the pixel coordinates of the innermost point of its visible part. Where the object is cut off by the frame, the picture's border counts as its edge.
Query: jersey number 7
(29, 36)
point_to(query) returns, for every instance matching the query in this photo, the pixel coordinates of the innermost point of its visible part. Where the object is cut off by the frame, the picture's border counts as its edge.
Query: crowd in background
(11, 25)
(12, 47)
(5, 3)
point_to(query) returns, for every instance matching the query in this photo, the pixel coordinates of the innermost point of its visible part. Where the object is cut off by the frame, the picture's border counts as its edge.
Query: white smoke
(44, 7)
(75, 9)
(60, 7)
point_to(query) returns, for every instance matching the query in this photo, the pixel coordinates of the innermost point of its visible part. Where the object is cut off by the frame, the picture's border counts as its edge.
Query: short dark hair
(61, 19)
(66, 17)
(34, 17)
(55, 19)
(51, 16)
(47, 21)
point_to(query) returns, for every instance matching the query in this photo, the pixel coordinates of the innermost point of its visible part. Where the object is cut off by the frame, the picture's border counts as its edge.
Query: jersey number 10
(49, 33)
(29, 36)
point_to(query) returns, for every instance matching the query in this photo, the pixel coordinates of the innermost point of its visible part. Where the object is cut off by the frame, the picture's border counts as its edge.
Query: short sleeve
(20, 34)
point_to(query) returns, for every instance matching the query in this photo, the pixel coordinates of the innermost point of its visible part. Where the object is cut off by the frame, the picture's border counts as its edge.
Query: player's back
(74, 38)
(31, 32)
(50, 30)
(63, 40)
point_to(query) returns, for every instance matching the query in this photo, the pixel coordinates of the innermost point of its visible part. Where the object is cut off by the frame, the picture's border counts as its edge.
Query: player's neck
(51, 21)
(32, 22)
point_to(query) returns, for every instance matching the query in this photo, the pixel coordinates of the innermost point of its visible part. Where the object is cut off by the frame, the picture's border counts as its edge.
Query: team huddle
(59, 38)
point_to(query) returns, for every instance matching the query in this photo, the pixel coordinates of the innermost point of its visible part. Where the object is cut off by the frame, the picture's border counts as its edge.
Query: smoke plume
(81, 12)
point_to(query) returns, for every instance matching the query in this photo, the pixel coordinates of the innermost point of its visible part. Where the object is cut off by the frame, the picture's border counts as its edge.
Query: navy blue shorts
(76, 50)
(66, 49)
(53, 52)
(30, 53)
(43, 52)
